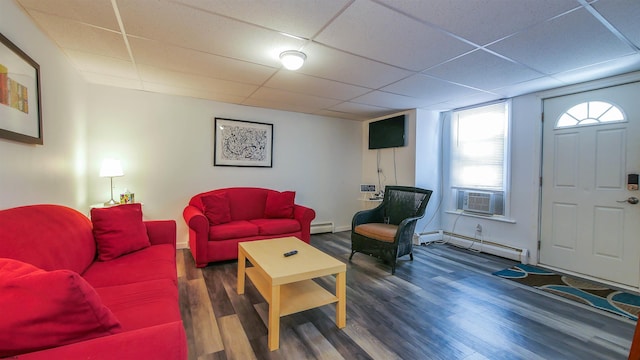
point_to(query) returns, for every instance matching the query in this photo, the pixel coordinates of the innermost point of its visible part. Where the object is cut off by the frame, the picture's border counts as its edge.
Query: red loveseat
(219, 219)
(73, 289)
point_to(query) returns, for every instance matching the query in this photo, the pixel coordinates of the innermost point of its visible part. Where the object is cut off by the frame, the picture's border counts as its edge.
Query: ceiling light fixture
(292, 59)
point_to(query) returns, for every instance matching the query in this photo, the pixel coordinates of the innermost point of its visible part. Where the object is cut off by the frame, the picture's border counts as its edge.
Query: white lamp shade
(292, 60)
(111, 168)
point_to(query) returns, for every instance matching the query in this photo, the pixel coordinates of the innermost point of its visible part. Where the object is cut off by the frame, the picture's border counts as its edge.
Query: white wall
(416, 164)
(429, 167)
(53, 172)
(397, 165)
(519, 228)
(165, 144)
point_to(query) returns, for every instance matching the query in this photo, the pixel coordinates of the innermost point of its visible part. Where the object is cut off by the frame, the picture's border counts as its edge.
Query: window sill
(498, 218)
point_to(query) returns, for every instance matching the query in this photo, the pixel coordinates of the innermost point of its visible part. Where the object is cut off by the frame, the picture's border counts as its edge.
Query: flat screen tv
(387, 133)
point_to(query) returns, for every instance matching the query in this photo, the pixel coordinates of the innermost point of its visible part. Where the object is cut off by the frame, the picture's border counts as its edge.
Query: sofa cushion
(233, 230)
(280, 204)
(247, 203)
(119, 230)
(276, 226)
(216, 208)
(152, 263)
(44, 309)
(142, 304)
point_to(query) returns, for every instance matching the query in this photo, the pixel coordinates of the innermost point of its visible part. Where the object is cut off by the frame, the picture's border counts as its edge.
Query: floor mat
(580, 290)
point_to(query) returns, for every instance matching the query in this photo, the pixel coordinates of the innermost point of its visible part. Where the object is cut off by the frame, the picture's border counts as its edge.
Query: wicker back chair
(387, 231)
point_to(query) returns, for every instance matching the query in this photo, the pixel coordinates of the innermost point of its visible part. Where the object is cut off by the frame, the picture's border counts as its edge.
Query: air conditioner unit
(479, 202)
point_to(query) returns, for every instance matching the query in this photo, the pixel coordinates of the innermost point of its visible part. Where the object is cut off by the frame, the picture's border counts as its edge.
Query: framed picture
(20, 113)
(242, 143)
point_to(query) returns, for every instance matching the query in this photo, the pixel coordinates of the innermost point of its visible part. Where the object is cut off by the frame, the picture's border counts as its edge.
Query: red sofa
(219, 219)
(73, 289)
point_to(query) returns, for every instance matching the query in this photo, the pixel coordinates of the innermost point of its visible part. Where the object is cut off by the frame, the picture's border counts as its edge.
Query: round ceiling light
(292, 59)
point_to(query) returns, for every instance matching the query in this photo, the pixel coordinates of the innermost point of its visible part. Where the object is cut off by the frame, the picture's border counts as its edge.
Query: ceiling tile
(96, 12)
(483, 70)
(342, 115)
(527, 87)
(465, 102)
(284, 97)
(114, 81)
(483, 21)
(426, 87)
(374, 31)
(328, 63)
(295, 17)
(623, 15)
(197, 93)
(564, 43)
(78, 36)
(190, 81)
(217, 35)
(272, 104)
(370, 111)
(391, 101)
(617, 66)
(305, 84)
(103, 65)
(163, 55)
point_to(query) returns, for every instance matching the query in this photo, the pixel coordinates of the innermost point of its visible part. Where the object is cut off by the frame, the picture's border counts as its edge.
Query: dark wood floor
(443, 305)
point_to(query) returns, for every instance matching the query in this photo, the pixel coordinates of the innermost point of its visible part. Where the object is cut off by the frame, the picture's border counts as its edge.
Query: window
(479, 149)
(590, 113)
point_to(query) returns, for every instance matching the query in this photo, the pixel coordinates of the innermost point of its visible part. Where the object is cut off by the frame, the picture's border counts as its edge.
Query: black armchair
(386, 232)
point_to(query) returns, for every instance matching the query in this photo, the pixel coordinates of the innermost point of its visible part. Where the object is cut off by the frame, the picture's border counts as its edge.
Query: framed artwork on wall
(242, 143)
(20, 112)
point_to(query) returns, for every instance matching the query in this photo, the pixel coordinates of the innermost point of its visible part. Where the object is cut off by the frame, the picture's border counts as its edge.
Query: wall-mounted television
(387, 133)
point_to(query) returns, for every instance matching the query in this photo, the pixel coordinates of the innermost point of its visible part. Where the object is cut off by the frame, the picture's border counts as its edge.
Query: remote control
(292, 252)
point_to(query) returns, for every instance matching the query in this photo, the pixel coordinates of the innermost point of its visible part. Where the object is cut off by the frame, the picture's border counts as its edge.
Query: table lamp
(111, 168)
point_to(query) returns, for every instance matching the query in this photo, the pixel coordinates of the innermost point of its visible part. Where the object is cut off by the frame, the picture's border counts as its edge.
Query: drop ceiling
(365, 58)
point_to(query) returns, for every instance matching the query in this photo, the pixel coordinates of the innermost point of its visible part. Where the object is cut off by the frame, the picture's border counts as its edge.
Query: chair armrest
(375, 215)
(304, 215)
(166, 341)
(198, 233)
(406, 229)
(161, 232)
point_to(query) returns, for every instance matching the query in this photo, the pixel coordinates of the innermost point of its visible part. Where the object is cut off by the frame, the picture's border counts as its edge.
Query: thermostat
(367, 188)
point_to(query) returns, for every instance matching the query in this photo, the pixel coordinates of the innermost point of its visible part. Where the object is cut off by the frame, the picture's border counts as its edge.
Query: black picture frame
(20, 105)
(242, 143)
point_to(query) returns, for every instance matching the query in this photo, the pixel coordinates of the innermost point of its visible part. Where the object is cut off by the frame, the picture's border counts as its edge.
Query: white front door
(586, 226)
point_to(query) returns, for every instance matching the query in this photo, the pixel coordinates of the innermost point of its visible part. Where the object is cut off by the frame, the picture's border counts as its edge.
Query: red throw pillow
(44, 309)
(119, 230)
(280, 204)
(216, 208)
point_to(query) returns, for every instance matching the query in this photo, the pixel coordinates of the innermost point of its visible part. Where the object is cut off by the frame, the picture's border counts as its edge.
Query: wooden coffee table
(285, 282)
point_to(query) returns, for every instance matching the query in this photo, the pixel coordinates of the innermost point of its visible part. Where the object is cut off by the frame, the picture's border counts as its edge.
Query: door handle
(632, 200)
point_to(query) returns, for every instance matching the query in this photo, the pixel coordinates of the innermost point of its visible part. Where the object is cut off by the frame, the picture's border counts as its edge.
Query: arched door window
(590, 113)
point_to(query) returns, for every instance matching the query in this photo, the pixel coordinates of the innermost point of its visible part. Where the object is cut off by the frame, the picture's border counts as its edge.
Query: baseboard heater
(488, 247)
(322, 227)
